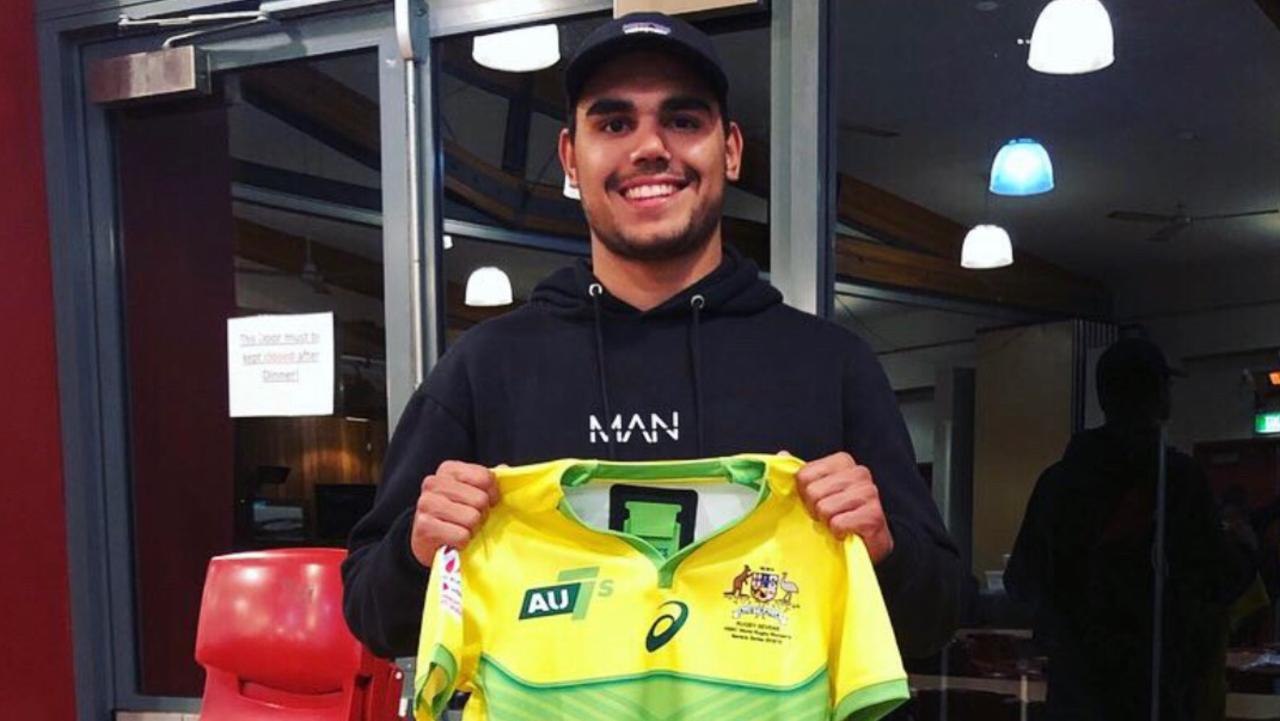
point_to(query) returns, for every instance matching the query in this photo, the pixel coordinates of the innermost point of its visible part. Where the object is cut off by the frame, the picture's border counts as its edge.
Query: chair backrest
(274, 644)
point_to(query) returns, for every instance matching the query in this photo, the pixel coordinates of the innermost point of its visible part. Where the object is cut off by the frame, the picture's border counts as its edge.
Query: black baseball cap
(645, 31)
(1134, 356)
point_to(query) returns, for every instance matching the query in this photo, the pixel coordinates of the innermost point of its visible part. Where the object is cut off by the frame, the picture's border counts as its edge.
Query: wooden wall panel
(320, 449)
(1022, 418)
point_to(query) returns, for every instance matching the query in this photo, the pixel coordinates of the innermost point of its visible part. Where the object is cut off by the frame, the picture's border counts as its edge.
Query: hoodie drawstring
(697, 302)
(595, 290)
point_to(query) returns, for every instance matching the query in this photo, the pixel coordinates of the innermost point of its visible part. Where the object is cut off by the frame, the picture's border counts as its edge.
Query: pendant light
(1072, 37)
(488, 287)
(518, 51)
(1021, 167)
(986, 247)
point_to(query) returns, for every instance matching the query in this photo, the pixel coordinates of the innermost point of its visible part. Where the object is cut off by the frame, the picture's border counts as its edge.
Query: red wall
(36, 679)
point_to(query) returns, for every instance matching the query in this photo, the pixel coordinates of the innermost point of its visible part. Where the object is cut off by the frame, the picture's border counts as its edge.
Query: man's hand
(453, 504)
(842, 494)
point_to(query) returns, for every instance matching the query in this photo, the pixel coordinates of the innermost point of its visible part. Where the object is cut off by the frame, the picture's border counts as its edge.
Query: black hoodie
(722, 367)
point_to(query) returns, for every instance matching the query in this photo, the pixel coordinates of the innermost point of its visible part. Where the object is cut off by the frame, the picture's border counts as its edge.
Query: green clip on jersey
(543, 617)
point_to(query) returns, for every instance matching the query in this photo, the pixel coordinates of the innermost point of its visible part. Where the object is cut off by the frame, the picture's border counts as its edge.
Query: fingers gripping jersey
(544, 617)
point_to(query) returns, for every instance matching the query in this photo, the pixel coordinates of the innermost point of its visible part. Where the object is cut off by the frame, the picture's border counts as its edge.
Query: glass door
(260, 226)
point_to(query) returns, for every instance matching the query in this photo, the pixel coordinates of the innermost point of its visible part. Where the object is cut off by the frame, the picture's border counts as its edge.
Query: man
(666, 345)
(1083, 560)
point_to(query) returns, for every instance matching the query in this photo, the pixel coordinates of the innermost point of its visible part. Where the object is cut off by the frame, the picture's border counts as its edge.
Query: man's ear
(567, 159)
(733, 152)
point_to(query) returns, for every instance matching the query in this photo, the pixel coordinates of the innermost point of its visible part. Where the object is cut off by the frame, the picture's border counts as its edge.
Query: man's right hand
(453, 504)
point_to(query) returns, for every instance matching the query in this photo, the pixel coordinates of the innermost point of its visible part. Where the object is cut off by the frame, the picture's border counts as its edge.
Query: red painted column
(36, 675)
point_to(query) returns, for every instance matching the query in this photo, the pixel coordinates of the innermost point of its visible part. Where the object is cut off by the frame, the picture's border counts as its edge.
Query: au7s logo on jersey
(572, 595)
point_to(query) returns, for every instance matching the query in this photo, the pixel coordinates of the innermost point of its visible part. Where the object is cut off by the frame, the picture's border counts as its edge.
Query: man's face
(650, 157)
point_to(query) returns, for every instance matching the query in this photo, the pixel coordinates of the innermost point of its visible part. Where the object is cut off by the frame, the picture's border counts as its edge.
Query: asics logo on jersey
(622, 428)
(670, 626)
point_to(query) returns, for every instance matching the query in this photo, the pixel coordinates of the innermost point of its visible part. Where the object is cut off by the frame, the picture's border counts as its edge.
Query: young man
(666, 345)
(1083, 560)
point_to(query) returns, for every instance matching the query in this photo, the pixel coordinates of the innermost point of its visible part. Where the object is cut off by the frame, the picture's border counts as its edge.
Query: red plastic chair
(275, 647)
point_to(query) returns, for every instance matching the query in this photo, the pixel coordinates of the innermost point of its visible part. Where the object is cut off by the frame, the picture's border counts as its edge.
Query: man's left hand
(843, 495)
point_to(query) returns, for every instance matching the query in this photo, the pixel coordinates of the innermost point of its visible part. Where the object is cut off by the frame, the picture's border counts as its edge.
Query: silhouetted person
(1083, 560)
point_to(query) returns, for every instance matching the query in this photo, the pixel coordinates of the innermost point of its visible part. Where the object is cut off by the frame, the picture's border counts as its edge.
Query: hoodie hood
(733, 288)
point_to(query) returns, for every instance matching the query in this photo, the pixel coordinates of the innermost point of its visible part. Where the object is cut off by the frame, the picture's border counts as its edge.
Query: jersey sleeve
(441, 645)
(866, 671)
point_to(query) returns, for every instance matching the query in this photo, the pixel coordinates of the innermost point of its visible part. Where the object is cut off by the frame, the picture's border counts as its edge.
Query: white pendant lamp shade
(1021, 167)
(518, 51)
(488, 287)
(986, 247)
(1072, 37)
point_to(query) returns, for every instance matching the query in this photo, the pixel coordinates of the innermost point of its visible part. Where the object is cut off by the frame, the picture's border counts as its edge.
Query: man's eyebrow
(606, 106)
(685, 102)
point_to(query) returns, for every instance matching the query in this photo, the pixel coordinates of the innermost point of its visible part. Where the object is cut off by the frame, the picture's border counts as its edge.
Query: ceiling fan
(1178, 221)
(310, 273)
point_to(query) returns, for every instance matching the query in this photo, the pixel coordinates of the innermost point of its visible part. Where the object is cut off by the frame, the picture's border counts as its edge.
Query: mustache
(615, 181)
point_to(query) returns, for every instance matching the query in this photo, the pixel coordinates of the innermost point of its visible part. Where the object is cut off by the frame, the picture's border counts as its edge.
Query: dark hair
(571, 115)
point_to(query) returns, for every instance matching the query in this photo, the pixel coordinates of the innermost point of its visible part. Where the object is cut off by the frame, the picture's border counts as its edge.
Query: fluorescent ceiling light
(986, 247)
(1021, 167)
(1072, 37)
(488, 287)
(518, 51)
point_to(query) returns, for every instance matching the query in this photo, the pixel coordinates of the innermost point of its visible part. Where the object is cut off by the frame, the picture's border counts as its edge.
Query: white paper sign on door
(280, 365)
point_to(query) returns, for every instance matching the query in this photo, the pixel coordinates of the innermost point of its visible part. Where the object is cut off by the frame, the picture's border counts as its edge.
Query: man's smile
(652, 191)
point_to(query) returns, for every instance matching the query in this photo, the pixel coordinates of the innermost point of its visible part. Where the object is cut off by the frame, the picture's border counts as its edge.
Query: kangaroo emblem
(739, 581)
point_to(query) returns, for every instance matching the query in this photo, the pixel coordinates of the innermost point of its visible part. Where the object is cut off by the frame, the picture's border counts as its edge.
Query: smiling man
(666, 345)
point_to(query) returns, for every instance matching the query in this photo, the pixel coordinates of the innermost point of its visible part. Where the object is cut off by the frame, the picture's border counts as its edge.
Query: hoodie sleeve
(922, 578)
(383, 583)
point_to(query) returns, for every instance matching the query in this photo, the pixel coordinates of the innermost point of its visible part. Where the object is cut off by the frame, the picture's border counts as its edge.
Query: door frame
(87, 280)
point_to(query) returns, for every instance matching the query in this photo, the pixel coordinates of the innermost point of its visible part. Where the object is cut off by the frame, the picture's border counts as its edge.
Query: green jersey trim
(744, 471)
(873, 702)
(651, 696)
(440, 658)
(765, 688)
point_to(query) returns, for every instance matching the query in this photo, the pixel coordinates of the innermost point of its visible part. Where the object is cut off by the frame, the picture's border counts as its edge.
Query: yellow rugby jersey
(543, 617)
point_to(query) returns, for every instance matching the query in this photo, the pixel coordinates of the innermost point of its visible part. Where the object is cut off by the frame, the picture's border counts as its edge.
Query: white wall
(1214, 322)
(919, 368)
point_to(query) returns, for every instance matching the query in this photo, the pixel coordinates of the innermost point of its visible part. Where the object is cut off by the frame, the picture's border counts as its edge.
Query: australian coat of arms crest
(764, 586)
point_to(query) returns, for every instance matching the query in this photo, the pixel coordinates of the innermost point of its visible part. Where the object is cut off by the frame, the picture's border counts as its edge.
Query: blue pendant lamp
(1021, 167)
